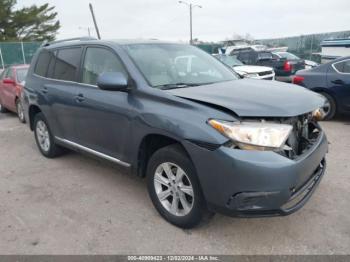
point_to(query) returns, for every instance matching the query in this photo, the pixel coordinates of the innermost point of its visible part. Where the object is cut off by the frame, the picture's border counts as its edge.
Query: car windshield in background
(21, 74)
(264, 56)
(167, 66)
(231, 61)
(288, 56)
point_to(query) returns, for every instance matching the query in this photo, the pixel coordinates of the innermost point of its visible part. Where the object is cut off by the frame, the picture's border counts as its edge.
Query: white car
(247, 71)
(310, 64)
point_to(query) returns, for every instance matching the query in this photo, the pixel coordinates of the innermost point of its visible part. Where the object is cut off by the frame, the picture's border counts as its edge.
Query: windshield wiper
(176, 85)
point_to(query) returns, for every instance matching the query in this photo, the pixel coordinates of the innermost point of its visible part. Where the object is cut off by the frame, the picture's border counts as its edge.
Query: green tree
(34, 23)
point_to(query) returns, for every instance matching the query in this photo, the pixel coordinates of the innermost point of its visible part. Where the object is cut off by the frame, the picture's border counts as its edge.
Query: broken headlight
(254, 135)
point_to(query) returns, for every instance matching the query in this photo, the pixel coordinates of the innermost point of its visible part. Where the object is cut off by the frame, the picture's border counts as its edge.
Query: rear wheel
(20, 112)
(2, 109)
(174, 188)
(330, 108)
(44, 138)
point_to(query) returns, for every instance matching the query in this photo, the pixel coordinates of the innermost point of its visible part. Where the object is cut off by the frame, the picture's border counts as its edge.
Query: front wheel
(174, 188)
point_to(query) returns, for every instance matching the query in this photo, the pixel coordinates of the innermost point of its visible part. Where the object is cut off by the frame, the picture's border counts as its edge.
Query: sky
(216, 20)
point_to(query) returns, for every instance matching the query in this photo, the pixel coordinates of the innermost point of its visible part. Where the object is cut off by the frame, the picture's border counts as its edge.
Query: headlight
(254, 135)
(250, 75)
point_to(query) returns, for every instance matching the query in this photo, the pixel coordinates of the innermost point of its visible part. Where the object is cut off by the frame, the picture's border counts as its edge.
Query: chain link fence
(17, 52)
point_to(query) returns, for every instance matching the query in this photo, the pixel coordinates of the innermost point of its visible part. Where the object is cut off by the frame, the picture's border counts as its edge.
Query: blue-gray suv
(205, 140)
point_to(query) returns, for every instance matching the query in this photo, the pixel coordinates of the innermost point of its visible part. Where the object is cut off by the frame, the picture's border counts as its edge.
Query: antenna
(95, 23)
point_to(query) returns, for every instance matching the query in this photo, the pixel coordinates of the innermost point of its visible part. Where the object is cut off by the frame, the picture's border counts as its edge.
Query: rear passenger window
(42, 63)
(97, 61)
(343, 67)
(67, 63)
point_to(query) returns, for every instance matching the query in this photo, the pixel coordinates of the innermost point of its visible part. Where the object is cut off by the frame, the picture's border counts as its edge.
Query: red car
(11, 84)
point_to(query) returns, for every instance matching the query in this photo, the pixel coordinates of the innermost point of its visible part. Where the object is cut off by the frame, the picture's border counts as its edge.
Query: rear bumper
(286, 79)
(255, 183)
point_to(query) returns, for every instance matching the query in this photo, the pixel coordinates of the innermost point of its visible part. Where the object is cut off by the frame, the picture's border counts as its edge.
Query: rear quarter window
(42, 63)
(343, 67)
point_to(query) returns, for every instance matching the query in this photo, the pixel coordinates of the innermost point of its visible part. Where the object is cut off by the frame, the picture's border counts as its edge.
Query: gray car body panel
(244, 97)
(116, 123)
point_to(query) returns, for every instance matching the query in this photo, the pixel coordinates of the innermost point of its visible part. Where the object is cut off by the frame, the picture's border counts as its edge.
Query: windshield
(21, 74)
(264, 56)
(230, 61)
(288, 56)
(177, 65)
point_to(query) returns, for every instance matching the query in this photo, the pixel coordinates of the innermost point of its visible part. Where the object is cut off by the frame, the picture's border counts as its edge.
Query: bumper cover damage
(257, 183)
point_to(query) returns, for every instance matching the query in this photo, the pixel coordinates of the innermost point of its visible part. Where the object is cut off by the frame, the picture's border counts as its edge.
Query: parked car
(256, 72)
(206, 140)
(291, 64)
(331, 80)
(284, 68)
(11, 85)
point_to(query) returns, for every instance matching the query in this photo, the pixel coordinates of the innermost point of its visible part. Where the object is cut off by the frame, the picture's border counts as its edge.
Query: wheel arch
(33, 110)
(325, 90)
(149, 145)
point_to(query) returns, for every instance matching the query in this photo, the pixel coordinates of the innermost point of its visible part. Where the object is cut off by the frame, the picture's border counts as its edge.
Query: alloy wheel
(327, 108)
(174, 189)
(43, 136)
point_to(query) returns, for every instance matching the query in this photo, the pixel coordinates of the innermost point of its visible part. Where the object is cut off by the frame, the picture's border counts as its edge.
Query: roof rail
(85, 38)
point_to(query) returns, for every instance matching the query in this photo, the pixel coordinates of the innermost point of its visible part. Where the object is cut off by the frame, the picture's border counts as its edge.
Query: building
(334, 48)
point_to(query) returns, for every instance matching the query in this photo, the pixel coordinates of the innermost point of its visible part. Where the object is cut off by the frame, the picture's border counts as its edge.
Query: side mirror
(9, 81)
(113, 81)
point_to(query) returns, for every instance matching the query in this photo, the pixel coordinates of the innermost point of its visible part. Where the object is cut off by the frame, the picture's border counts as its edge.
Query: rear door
(338, 80)
(59, 90)
(102, 117)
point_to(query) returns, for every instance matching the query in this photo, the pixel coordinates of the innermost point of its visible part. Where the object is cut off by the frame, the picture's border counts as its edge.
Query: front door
(9, 91)
(103, 117)
(338, 79)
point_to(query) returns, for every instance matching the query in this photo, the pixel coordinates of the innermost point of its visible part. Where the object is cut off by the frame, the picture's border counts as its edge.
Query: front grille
(265, 73)
(304, 134)
(268, 78)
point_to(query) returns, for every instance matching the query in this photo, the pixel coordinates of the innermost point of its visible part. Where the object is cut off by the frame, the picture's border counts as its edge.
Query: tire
(2, 109)
(44, 138)
(331, 108)
(173, 159)
(20, 112)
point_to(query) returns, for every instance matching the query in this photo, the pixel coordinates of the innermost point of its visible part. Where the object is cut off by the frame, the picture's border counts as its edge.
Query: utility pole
(95, 23)
(191, 6)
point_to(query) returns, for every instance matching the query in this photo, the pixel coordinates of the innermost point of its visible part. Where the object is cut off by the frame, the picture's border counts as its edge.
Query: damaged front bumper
(258, 183)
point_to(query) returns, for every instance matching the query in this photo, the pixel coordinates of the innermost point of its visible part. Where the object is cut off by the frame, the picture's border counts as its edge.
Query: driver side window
(97, 61)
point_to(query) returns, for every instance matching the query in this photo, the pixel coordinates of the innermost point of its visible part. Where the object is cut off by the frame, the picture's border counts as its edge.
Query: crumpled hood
(255, 98)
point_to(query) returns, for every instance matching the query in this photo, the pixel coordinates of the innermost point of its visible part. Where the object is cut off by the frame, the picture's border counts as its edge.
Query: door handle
(338, 82)
(44, 90)
(79, 98)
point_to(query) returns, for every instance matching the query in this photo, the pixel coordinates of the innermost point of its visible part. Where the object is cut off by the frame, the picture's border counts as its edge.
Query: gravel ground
(77, 205)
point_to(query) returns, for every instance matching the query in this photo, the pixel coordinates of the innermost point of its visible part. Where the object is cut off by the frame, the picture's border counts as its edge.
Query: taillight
(298, 80)
(287, 66)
